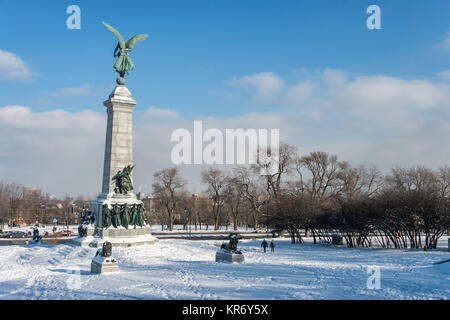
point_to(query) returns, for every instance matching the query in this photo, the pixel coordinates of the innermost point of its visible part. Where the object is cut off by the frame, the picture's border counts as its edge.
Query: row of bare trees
(21, 205)
(410, 207)
(229, 199)
(314, 194)
(318, 195)
(10, 196)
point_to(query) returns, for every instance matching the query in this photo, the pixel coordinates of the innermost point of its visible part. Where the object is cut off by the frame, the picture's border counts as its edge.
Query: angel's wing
(118, 35)
(135, 39)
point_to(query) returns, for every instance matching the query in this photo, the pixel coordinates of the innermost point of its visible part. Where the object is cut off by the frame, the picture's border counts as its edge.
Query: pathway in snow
(182, 269)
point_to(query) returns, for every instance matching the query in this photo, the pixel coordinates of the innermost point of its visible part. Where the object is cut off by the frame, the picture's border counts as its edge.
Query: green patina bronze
(124, 215)
(232, 245)
(116, 213)
(123, 180)
(133, 215)
(106, 216)
(124, 63)
(140, 215)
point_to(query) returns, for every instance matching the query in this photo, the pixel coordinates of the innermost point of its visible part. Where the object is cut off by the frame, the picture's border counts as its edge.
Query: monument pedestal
(223, 255)
(120, 203)
(101, 264)
(120, 236)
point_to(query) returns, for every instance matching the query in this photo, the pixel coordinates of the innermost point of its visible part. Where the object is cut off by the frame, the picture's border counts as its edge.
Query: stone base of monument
(223, 255)
(102, 265)
(125, 242)
(120, 236)
(85, 241)
(129, 238)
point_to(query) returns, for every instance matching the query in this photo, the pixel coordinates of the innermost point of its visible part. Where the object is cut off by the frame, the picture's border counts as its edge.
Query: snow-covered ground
(183, 269)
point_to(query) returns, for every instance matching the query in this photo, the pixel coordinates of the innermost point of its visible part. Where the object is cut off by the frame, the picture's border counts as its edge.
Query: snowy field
(183, 269)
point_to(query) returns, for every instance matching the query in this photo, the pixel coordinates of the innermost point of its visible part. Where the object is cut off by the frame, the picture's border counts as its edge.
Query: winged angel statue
(124, 63)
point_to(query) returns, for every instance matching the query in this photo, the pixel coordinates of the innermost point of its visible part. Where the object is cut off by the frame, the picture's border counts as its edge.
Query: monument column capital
(120, 97)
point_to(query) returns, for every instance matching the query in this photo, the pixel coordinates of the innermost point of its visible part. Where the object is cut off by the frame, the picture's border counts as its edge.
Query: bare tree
(443, 180)
(417, 178)
(215, 180)
(167, 192)
(4, 200)
(282, 167)
(359, 181)
(252, 192)
(234, 196)
(15, 201)
(324, 171)
(202, 211)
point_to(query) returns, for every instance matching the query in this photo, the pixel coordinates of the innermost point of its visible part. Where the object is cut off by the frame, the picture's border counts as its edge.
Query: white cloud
(23, 118)
(388, 92)
(445, 44)
(335, 77)
(162, 113)
(63, 151)
(299, 93)
(377, 119)
(13, 67)
(368, 119)
(444, 75)
(56, 150)
(265, 85)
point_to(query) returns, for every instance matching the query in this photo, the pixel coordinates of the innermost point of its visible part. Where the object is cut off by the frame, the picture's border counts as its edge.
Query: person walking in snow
(264, 245)
(272, 246)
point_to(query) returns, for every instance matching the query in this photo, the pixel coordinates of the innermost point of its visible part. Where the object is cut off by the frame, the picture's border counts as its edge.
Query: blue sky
(310, 68)
(195, 47)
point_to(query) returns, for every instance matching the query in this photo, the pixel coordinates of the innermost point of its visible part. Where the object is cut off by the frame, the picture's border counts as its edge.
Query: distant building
(31, 193)
(199, 196)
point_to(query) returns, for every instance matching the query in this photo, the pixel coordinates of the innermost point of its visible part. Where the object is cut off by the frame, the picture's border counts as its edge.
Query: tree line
(23, 205)
(314, 195)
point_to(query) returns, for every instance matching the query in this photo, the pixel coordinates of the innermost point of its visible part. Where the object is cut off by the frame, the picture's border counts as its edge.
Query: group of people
(264, 245)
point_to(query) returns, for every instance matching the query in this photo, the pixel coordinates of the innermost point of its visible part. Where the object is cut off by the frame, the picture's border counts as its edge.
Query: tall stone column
(119, 218)
(119, 136)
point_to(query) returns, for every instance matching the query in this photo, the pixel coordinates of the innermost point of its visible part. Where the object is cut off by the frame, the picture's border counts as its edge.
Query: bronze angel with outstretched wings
(124, 63)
